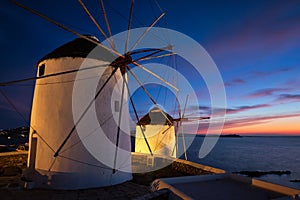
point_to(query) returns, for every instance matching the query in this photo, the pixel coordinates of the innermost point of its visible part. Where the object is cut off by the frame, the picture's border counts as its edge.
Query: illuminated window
(42, 70)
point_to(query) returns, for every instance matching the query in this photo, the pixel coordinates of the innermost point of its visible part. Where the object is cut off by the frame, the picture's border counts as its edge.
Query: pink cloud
(256, 120)
(249, 121)
(245, 108)
(206, 110)
(264, 74)
(288, 98)
(237, 81)
(294, 83)
(266, 92)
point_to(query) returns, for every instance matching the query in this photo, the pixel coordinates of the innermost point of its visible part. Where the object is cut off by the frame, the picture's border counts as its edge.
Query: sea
(252, 153)
(247, 153)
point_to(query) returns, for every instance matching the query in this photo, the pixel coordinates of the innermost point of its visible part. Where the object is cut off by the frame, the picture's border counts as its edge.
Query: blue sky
(255, 45)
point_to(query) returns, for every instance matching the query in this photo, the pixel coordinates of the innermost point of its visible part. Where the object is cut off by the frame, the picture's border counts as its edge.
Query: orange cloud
(284, 126)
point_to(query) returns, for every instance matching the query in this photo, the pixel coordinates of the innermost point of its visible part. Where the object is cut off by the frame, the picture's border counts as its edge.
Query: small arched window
(117, 106)
(41, 70)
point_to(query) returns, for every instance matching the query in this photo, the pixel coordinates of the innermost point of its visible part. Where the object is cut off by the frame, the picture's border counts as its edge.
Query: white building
(76, 166)
(159, 131)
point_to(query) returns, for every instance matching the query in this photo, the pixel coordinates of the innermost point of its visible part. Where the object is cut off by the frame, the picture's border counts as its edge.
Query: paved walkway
(224, 187)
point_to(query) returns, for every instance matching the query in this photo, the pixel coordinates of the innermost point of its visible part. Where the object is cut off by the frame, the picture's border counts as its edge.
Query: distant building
(158, 128)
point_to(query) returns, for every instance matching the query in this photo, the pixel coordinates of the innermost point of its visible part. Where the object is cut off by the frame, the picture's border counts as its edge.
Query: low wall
(11, 166)
(145, 162)
(195, 168)
(13, 159)
(140, 163)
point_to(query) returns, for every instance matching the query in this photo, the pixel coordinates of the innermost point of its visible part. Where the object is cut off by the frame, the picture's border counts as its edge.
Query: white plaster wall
(161, 139)
(52, 118)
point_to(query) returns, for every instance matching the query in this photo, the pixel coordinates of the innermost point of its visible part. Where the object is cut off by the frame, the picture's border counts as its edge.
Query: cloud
(293, 84)
(266, 92)
(241, 108)
(284, 98)
(256, 120)
(207, 110)
(194, 110)
(248, 121)
(269, 73)
(245, 108)
(237, 81)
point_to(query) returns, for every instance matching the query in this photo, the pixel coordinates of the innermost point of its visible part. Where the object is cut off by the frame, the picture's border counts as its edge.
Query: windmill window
(117, 106)
(42, 70)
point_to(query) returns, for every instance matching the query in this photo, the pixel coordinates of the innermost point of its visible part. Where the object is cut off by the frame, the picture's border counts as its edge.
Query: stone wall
(13, 162)
(140, 164)
(188, 169)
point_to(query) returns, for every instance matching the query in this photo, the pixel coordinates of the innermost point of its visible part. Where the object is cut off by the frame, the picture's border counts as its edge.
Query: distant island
(231, 135)
(226, 136)
(262, 173)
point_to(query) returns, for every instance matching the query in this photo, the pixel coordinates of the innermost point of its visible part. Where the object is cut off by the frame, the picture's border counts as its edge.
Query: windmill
(58, 158)
(159, 132)
(162, 132)
(64, 159)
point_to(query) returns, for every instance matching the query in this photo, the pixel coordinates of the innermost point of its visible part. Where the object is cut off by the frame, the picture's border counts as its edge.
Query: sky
(255, 45)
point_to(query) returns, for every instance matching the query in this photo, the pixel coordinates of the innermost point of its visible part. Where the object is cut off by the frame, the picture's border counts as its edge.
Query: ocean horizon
(252, 153)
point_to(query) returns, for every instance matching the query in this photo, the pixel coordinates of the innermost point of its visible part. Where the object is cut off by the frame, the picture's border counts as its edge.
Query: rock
(295, 180)
(262, 173)
(12, 171)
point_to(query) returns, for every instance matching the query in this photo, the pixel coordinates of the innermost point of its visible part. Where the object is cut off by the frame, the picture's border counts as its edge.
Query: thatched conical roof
(156, 117)
(80, 47)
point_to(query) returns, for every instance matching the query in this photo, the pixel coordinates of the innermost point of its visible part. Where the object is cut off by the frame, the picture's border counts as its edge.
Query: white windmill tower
(56, 161)
(158, 127)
